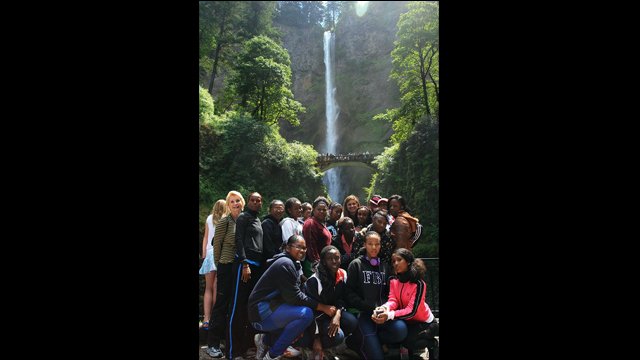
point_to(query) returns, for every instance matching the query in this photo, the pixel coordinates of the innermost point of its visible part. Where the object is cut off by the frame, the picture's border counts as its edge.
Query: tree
(313, 12)
(238, 152)
(410, 166)
(415, 59)
(259, 18)
(219, 26)
(290, 13)
(262, 80)
(206, 107)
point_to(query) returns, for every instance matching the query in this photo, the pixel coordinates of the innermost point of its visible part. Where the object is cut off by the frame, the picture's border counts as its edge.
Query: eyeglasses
(299, 247)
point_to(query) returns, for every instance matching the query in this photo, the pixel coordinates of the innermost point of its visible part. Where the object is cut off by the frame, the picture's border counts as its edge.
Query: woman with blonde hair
(224, 250)
(208, 268)
(350, 207)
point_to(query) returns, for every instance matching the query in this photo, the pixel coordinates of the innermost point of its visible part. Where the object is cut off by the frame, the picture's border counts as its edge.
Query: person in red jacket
(407, 302)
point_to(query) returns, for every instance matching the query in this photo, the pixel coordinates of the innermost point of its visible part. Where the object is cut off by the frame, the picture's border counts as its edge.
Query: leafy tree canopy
(206, 107)
(415, 66)
(262, 80)
(239, 153)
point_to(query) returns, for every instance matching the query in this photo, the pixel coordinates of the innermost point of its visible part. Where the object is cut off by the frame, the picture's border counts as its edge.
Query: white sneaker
(291, 352)
(268, 357)
(261, 348)
(214, 352)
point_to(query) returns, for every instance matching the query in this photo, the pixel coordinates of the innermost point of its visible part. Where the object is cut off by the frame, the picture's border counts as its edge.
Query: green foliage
(300, 14)
(416, 67)
(206, 107)
(410, 166)
(206, 32)
(411, 169)
(290, 13)
(262, 79)
(259, 18)
(239, 153)
(223, 26)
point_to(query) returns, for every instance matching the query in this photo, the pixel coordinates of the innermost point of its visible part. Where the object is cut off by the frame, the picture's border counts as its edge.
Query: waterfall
(332, 176)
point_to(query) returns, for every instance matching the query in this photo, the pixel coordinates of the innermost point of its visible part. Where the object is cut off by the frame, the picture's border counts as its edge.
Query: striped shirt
(224, 241)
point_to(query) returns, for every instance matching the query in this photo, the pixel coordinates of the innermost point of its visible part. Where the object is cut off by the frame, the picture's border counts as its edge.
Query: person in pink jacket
(407, 302)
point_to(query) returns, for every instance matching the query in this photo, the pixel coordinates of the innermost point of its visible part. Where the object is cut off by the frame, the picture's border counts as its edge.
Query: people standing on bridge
(398, 207)
(351, 204)
(224, 250)
(277, 305)
(208, 268)
(367, 289)
(407, 302)
(364, 218)
(247, 269)
(316, 235)
(271, 230)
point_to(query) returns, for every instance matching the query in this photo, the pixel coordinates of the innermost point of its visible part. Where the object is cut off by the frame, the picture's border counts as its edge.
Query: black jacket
(330, 295)
(367, 285)
(248, 237)
(271, 237)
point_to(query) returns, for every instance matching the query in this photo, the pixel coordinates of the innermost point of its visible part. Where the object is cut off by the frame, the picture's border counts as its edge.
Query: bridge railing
(432, 278)
(346, 157)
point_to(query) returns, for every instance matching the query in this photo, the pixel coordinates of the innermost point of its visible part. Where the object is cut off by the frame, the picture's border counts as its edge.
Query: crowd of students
(314, 276)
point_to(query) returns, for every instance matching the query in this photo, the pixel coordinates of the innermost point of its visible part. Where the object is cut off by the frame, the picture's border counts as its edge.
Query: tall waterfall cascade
(332, 176)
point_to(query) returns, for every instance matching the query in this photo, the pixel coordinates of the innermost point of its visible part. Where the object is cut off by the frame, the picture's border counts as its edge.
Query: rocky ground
(341, 353)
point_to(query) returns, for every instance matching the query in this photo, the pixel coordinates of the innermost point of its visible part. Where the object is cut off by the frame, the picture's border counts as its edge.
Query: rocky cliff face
(307, 72)
(363, 64)
(363, 89)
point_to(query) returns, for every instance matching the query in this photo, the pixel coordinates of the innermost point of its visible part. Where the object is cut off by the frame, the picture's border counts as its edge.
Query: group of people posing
(314, 278)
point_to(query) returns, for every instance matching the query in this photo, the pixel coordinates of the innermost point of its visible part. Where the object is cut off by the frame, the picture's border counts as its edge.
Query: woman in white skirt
(208, 268)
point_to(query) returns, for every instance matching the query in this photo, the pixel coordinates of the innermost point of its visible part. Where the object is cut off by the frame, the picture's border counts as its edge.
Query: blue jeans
(368, 337)
(348, 324)
(284, 325)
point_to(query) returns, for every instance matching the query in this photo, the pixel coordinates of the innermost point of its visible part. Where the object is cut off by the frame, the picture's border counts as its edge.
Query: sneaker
(268, 357)
(291, 352)
(214, 352)
(261, 348)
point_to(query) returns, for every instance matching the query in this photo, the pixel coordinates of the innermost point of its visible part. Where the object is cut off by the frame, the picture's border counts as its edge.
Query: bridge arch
(330, 161)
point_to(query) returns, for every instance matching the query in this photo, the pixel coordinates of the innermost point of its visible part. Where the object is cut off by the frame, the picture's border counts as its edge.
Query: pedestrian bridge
(329, 161)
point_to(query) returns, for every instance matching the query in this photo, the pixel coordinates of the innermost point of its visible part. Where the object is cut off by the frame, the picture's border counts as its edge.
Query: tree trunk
(220, 42)
(433, 54)
(261, 102)
(215, 67)
(423, 80)
(435, 86)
